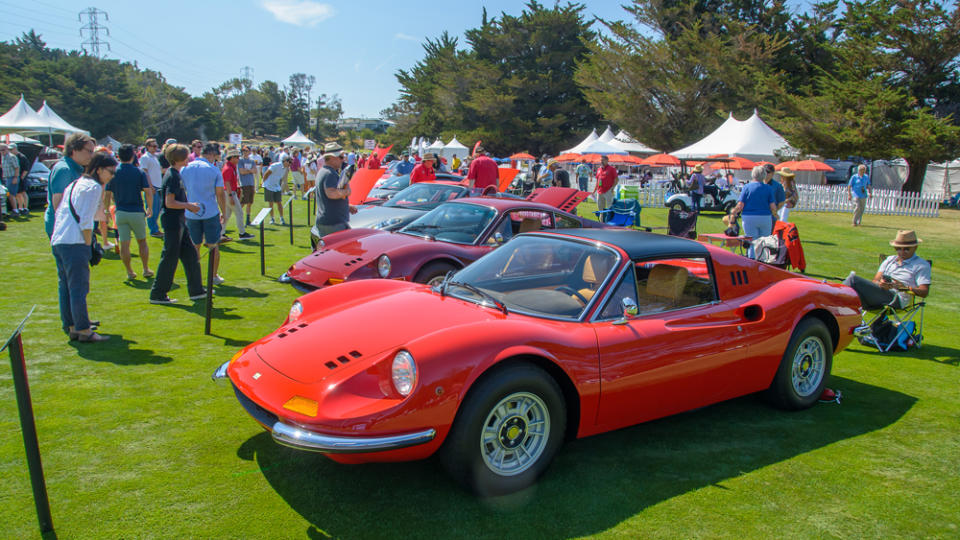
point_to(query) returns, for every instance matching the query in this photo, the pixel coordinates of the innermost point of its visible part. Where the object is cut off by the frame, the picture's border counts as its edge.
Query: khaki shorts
(131, 221)
(246, 194)
(297, 177)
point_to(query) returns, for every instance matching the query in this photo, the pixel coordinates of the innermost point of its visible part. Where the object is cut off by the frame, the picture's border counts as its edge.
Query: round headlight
(321, 244)
(295, 311)
(383, 266)
(404, 373)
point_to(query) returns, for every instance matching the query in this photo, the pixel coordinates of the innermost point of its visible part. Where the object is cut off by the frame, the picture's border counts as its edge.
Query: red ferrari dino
(553, 335)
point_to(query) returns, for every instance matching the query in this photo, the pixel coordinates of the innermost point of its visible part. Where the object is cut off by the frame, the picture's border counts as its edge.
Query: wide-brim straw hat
(905, 239)
(698, 168)
(787, 173)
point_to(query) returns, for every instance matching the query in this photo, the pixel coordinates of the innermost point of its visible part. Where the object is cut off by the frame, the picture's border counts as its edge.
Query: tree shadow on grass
(200, 308)
(231, 342)
(933, 353)
(593, 484)
(239, 292)
(118, 350)
(817, 242)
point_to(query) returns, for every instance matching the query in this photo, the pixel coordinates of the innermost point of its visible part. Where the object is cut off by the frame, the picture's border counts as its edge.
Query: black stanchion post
(28, 425)
(209, 313)
(263, 262)
(290, 215)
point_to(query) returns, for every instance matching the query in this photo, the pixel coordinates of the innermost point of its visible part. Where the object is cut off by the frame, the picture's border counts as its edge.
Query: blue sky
(353, 48)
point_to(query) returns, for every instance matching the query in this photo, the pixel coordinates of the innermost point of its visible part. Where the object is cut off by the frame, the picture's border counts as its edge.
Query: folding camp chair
(887, 325)
(681, 223)
(622, 213)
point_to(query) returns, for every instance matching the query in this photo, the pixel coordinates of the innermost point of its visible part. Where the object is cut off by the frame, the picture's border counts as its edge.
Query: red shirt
(229, 173)
(484, 172)
(373, 162)
(606, 178)
(422, 173)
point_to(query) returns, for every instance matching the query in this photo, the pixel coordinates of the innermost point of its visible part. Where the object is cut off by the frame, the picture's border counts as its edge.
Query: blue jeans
(755, 227)
(73, 276)
(583, 181)
(152, 220)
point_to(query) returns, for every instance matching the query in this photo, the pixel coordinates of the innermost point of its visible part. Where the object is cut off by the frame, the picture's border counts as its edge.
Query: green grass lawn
(138, 442)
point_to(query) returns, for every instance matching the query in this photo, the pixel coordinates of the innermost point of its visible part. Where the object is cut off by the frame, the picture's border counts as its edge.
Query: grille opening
(343, 359)
(355, 354)
(753, 313)
(292, 330)
(331, 365)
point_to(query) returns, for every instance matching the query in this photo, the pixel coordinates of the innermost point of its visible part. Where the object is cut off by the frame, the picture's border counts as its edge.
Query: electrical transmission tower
(92, 42)
(246, 74)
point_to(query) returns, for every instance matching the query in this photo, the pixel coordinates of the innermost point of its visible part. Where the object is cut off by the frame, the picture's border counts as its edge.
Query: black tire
(433, 271)
(805, 367)
(467, 457)
(678, 206)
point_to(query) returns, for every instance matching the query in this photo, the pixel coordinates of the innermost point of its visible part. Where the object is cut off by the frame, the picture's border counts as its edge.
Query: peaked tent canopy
(751, 138)
(298, 139)
(14, 138)
(578, 148)
(607, 135)
(600, 147)
(626, 141)
(21, 118)
(437, 146)
(454, 148)
(108, 140)
(59, 125)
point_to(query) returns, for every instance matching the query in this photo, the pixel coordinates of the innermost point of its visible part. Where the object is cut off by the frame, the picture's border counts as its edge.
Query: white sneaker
(282, 222)
(217, 280)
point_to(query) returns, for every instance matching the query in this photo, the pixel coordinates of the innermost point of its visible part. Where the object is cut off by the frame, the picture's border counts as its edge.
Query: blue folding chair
(622, 213)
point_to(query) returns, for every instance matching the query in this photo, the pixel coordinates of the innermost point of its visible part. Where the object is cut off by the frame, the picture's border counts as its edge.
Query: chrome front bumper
(301, 439)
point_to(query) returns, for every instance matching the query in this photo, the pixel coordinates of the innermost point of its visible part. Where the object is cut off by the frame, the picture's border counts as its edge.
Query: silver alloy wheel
(515, 434)
(436, 281)
(808, 366)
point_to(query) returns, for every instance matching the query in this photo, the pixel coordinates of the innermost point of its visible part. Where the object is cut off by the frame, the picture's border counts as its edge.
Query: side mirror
(630, 311)
(498, 238)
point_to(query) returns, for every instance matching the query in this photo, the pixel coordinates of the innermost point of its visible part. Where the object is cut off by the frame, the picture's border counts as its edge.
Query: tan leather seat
(594, 270)
(529, 225)
(666, 282)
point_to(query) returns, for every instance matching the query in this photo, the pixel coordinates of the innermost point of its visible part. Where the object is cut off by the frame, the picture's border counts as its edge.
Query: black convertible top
(642, 245)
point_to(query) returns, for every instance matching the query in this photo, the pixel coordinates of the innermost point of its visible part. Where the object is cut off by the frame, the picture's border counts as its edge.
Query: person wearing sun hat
(423, 172)
(898, 276)
(790, 192)
(697, 183)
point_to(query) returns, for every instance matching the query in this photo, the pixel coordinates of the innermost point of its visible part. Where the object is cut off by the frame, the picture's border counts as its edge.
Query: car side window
(668, 284)
(627, 288)
(565, 222)
(520, 221)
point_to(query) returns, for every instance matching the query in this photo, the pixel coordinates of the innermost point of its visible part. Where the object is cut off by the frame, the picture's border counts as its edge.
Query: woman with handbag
(74, 245)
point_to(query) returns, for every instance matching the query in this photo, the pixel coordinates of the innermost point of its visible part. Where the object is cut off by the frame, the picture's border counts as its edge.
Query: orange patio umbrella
(805, 165)
(661, 160)
(568, 157)
(522, 155)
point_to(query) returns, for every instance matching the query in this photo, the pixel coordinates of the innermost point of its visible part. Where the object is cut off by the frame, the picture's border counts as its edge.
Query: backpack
(771, 250)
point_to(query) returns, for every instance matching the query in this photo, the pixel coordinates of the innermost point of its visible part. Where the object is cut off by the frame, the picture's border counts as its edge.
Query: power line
(93, 29)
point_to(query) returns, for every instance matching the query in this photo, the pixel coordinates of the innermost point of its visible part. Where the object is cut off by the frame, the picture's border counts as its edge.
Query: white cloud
(299, 12)
(407, 37)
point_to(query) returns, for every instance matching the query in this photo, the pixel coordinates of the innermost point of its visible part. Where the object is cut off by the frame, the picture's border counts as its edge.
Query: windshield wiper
(483, 294)
(442, 287)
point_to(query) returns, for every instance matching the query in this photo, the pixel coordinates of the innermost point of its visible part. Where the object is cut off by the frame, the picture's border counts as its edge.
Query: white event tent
(59, 125)
(942, 178)
(576, 149)
(436, 147)
(600, 147)
(607, 135)
(626, 141)
(751, 138)
(298, 139)
(454, 147)
(21, 118)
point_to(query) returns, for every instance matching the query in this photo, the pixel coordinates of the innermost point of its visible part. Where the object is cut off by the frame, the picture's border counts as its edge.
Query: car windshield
(460, 223)
(537, 275)
(396, 182)
(425, 196)
(39, 168)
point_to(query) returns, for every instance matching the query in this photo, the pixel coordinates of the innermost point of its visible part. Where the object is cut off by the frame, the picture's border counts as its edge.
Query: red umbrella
(735, 163)
(522, 155)
(805, 165)
(568, 157)
(661, 160)
(621, 159)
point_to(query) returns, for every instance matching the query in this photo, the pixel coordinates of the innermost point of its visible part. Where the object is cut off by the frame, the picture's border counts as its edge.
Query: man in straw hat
(697, 183)
(897, 276)
(333, 193)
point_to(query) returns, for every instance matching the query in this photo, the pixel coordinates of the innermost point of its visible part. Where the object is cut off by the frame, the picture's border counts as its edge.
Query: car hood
(341, 258)
(372, 215)
(336, 334)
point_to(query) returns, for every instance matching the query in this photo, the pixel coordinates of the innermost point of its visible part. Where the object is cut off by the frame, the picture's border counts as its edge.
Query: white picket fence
(887, 202)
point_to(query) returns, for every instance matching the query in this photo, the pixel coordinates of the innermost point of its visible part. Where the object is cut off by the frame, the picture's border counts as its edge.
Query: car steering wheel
(573, 292)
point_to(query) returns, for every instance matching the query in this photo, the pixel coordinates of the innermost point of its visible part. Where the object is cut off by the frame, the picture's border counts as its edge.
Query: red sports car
(553, 335)
(449, 237)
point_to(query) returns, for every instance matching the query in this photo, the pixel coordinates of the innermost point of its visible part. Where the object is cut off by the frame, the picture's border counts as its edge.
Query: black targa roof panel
(642, 245)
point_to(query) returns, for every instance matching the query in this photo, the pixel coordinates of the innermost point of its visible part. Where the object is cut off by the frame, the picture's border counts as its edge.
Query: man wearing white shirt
(150, 165)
